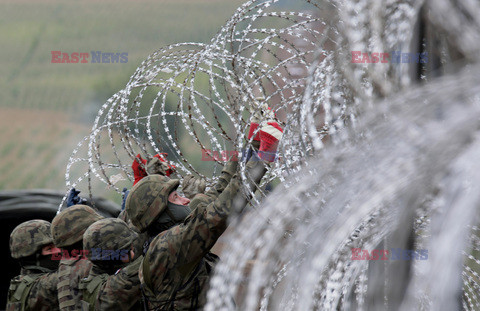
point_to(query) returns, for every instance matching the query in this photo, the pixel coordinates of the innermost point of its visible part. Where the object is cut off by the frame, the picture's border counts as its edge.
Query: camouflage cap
(111, 234)
(148, 199)
(70, 224)
(29, 237)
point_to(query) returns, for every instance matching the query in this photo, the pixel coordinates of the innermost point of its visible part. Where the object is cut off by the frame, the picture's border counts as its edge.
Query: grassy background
(46, 108)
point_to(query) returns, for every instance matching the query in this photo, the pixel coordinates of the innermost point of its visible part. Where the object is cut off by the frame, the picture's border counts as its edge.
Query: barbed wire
(189, 98)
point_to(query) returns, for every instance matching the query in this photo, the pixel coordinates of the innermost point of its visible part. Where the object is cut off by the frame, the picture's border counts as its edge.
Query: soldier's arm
(227, 173)
(175, 253)
(121, 291)
(209, 196)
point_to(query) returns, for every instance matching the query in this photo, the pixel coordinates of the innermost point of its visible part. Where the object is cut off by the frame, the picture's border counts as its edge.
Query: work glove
(192, 185)
(156, 165)
(138, 167)
(259, 114)
(74, 199)
(270, 135)
(254, 123)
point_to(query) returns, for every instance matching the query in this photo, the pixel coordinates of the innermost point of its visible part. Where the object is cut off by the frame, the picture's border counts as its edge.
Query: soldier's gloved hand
(270, 135)
(192, 185)
(263, 112)
(138, 168)
(254, 123)
(158, 165)
(231, 167)
(74, 199)
(171, 168)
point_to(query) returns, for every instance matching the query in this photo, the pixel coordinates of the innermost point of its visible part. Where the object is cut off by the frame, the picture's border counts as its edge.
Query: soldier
(67, 231)
(157, 165)
(177, 265)
(36, 287)
(113, 282)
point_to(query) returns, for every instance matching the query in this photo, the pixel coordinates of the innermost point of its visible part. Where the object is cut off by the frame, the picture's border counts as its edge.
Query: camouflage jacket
(35, 288)
(120, 291)
(70, 272)
(176, 268)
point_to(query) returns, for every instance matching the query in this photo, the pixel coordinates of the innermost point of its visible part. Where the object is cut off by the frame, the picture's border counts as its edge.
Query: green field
(30, 30)
(45, 107)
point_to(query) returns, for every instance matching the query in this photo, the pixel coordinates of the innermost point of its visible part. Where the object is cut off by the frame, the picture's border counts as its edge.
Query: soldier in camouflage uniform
(113, 282)
(177, 266)
(36, 287)
(67, 231)
(191, 186)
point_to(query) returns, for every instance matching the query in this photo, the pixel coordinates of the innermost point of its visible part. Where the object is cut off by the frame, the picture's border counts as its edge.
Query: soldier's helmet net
(148, 199)
(109, 234)
(70, 224)
(29, 237)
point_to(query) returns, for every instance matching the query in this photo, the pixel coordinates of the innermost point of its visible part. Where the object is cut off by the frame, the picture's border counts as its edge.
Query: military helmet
(29, 237)
(148, 199)
(70, 224)
(111, 234)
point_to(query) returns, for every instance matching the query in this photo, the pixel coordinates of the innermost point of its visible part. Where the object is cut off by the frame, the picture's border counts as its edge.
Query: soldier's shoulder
(76, 267)
(160, 248)
(49, 280)
(66, 263)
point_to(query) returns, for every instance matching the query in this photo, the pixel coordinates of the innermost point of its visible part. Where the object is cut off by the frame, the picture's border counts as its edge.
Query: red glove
(270, 135)
(253, 128)
(139, 169)
(258, 115)
(162, 157)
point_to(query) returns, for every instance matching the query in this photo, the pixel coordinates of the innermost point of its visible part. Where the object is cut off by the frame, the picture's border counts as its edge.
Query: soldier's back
(70, 272)
(119, 291)
(178, 291)
(34, 289)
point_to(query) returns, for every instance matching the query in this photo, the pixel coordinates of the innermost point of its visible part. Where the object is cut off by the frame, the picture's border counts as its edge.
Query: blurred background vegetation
(47, 108)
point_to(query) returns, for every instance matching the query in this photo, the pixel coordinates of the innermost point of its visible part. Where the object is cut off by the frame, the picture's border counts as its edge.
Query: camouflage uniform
(176, 268)
(103, 290)
(67, 229)
(71, 271)
(36, 287)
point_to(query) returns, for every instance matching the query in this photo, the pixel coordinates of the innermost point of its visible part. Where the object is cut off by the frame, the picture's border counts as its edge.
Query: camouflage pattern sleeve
(122, 290)
(36, 291)
(228, 171)
(174, 254)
